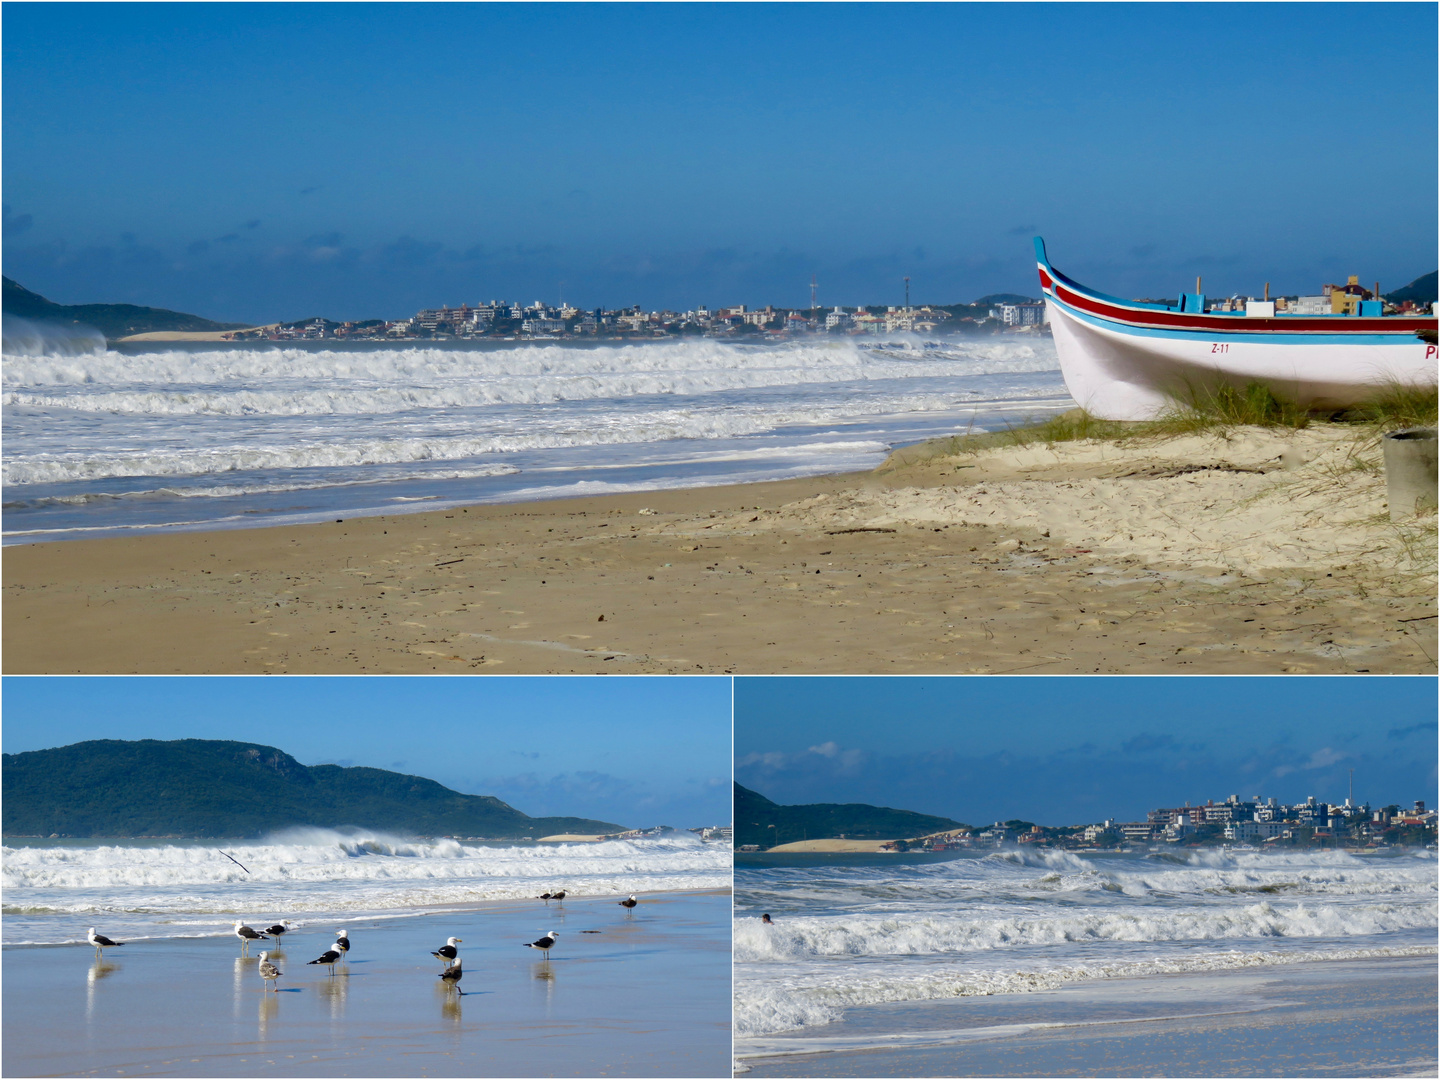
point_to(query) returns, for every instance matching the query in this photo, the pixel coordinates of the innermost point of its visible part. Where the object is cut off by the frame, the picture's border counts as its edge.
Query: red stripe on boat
(1236, 324)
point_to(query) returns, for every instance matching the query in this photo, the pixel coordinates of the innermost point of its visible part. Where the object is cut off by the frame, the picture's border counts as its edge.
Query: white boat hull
(1115, 374)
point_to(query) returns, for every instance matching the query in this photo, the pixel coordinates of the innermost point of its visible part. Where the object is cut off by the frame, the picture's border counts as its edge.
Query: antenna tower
(907, 294)
(812, 295)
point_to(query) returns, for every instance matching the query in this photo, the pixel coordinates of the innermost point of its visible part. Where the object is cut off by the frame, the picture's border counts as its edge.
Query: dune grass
(1397, 406)
(1218, 409)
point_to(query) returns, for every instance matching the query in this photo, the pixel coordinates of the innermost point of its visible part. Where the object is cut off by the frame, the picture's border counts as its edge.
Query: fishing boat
(1134, 360)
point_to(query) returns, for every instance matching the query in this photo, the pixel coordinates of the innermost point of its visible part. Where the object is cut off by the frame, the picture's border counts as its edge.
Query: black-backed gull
(247, 934)
(448, 952)
(544, 943)
(329, 957)
(100, 941)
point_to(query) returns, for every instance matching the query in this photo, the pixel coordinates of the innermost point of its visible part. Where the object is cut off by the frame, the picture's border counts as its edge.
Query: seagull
(544, 943)
(268, 971)
(451, 975)
(329, 956)
(342, 942)
(546, 897)
(282, 927)
(247, 934)
(100, 941)
(448, 952)
(629, 904)
(767, 920)
(558, 896)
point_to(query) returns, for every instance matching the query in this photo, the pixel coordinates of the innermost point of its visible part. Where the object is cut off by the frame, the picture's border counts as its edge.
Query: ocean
(152, 890)
(851, 934)
(185, 436)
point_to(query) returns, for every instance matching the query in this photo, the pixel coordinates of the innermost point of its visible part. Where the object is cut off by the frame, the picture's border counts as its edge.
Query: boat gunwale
(1391, 329)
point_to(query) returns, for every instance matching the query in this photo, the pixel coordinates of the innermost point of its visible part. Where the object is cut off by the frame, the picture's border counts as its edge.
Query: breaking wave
(37, 338)
(811, 938)
(291, 382)
(325, 870)
(1022, 920)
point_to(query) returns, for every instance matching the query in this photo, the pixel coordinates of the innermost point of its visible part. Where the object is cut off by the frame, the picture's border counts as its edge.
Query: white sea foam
(102, 438)
(805, 938)
(288, 382)
(209, 491)
(355, 451)
(1020, 920)
(762, 1009)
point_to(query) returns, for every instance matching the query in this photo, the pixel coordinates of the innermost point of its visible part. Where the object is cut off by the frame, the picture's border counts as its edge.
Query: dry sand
(1257, 552)
(193, 335)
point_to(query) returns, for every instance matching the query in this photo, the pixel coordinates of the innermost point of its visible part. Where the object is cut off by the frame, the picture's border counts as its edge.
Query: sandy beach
(646, 995)
(1374, 1017)
(1252, 552)
(830, 844)
(192, 335)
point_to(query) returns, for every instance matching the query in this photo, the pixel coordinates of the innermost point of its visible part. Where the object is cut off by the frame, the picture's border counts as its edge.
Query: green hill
(112, 320)
(754, 814)
(1421, 290)
(213, 788)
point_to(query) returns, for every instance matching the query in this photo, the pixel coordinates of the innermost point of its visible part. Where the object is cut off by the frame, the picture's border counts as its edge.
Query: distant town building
(1020, 314)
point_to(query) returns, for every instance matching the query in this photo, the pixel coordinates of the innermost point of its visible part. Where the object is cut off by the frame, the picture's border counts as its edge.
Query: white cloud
(1322, 757)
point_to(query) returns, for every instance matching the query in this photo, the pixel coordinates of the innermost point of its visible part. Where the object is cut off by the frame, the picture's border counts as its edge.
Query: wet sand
(647, 996)
(1372, 1017)
(1180, 556)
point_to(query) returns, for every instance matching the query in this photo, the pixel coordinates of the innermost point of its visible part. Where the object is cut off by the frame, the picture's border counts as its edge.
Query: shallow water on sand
(1373, 1017)
(640, 994)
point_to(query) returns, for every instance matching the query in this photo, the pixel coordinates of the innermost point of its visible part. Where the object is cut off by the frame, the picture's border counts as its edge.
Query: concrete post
(1410, 472)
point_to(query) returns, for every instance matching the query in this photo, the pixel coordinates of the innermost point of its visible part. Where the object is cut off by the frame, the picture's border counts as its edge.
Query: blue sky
(1071, 750)
(267, 161)
(636, 751)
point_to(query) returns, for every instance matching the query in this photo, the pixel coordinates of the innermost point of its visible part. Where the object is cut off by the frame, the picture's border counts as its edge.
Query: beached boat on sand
(1131, 360)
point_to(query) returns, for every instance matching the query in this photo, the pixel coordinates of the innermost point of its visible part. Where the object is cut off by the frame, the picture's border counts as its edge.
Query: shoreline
(1254, 551)
(502, 905)
(607, 1001)
(1362, 1017)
